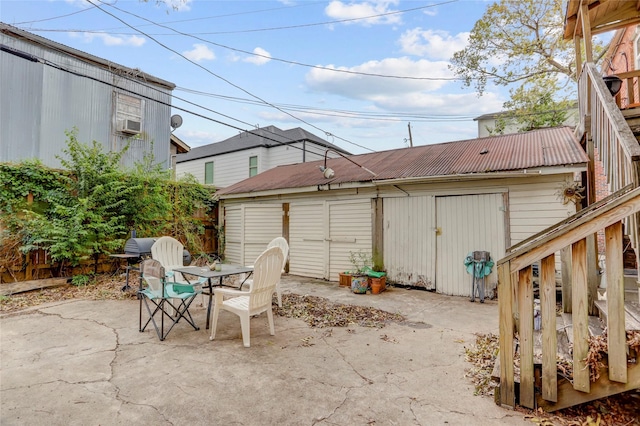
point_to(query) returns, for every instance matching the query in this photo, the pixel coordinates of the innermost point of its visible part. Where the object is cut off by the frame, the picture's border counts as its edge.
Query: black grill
(139, 246)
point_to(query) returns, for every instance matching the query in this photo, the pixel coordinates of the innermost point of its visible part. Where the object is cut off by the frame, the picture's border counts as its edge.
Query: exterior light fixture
(328, 171)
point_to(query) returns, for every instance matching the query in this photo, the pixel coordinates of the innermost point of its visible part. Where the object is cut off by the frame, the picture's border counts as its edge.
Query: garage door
(248, 230)
(410, 240)
(467, 223)
(323, 234)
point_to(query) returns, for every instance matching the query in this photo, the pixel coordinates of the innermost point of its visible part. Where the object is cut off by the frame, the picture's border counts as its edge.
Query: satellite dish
(176, 121)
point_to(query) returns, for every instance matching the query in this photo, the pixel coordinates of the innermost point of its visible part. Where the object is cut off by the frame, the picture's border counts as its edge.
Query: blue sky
(260, 63)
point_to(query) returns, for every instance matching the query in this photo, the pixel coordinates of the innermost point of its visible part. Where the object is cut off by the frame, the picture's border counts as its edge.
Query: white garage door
(323, 234)
(465, 224)
(248, 230)
(410, 240)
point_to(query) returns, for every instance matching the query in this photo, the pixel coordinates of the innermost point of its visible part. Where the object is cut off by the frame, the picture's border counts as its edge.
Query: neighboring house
(249, 153)
(423, 208)
(48, 88)
(177, 147)
(623, 57)
(487, 122)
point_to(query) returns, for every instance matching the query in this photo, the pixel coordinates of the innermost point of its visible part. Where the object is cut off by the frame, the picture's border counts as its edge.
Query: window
(129, 113)
(253, 166)
(208, 173)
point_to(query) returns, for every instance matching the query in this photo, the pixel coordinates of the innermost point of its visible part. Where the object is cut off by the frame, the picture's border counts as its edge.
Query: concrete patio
(84, 362)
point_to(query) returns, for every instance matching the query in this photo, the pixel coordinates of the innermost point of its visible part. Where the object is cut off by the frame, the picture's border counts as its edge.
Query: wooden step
(601, 388)
(631, 317)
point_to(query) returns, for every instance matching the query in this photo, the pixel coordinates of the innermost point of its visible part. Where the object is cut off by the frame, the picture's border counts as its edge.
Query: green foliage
(521, 43)
(88, 209)
(361, 261)
(80, 280)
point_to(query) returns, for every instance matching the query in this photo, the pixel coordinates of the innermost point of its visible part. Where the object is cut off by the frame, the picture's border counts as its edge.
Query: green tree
(519, 44)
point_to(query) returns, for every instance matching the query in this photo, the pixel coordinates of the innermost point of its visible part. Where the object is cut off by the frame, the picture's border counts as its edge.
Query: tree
(519, 44)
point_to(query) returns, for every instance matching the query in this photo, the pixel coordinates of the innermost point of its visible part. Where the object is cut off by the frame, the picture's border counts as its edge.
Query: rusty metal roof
(536, 149)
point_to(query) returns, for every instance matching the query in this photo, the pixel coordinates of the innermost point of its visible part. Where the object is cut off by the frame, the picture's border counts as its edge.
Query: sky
(364, 75)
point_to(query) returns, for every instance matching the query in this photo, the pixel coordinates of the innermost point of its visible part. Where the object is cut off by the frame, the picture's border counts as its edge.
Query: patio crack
(112, 362)
(355, 370)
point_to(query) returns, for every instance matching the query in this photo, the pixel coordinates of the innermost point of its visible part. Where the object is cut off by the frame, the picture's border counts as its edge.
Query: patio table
(204, 272)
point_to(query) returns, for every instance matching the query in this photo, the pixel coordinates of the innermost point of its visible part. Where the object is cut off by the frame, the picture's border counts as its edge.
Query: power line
(222, 78)
(286, 61)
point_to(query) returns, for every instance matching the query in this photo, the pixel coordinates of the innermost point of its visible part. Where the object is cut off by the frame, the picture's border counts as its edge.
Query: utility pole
(410, 138)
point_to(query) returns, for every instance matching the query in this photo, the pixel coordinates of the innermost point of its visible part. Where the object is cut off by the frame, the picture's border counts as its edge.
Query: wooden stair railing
(618, 148)
(515, 294)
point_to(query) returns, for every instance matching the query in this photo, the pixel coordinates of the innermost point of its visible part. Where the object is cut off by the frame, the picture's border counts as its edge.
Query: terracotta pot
(377, 285)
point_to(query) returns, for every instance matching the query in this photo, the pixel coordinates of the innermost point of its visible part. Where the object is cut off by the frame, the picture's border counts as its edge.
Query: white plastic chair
(245, 304)
(281, 243)
(169, 252)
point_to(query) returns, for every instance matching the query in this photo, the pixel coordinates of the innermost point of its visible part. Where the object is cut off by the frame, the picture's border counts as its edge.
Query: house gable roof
(267, 137)
(552, 147)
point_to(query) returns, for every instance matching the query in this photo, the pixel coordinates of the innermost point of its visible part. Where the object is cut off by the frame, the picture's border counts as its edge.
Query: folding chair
(159, 296)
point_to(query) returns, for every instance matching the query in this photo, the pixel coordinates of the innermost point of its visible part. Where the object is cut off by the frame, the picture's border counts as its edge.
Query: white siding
(307, 255)
(233, 167)
(410, 240)
(534, 207)
(349, 230)
(465, 224)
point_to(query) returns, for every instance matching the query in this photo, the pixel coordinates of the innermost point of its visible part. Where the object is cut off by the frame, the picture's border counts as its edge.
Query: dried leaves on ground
(320, 312)
(618, 410)
(315, 311)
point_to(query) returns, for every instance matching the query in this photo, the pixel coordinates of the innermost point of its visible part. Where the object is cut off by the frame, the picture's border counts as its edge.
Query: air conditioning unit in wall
(131, 126)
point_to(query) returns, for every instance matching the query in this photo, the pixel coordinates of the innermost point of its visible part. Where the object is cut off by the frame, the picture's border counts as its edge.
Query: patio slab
(84, 362)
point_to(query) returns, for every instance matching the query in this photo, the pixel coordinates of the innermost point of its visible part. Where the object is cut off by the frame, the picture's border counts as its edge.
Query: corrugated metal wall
(410, 240)
(39, 103)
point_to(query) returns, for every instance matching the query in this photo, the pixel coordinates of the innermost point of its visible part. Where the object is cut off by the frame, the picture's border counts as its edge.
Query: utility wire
(224, 79)
(286, 61)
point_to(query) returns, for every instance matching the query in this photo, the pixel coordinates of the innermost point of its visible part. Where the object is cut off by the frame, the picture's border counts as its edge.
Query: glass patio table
(204, 272)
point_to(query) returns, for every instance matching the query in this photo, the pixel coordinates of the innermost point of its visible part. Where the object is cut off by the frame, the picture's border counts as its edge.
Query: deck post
(505, 310)
(549, 334)
(525, 333)
(580, 315)
(616, 335)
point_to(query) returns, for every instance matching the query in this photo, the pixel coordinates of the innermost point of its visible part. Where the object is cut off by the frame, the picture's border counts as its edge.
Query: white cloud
(110, 40)
(433, 44)
(365, 87)
(262, 59)
(339, 10)
(200, 52)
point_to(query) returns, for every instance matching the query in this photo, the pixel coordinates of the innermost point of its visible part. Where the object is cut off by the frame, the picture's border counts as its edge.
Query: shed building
(421, 210)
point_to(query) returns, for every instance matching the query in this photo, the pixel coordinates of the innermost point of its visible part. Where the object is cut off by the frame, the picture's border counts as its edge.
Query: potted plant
(361, 262)
(377, 280)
